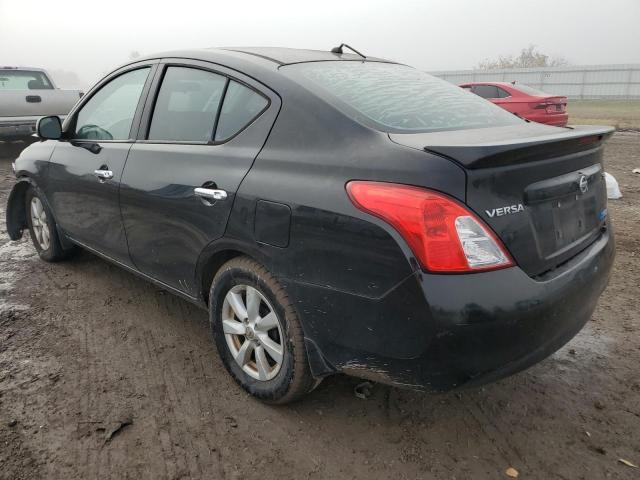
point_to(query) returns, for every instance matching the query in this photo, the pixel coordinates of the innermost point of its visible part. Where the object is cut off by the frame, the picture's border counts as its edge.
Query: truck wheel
(42, 228)
(257, 332)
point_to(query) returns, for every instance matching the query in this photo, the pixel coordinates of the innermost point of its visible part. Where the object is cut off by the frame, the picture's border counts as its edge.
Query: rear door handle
(210, 193)
(103, 174)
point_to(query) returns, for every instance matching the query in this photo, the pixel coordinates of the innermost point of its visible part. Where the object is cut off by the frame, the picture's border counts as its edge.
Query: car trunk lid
(551, 104)
(540, 188)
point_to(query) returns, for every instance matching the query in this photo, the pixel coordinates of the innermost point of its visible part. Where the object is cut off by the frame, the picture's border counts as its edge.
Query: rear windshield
(530, 90)
(23, 80)
(397, 98)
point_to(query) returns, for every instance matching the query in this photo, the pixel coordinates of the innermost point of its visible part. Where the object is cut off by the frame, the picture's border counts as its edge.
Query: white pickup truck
(27, 94)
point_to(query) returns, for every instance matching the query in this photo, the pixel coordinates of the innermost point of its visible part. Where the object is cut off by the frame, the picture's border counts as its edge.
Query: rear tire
(42, 229)
(258, 333)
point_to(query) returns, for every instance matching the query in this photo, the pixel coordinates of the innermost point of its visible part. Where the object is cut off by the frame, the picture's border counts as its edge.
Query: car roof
(261, 56)
(30, 69)
(285, 56)
(258, 63)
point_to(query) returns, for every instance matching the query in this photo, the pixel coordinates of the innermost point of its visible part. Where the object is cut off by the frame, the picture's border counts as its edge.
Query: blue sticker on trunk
(603, 214)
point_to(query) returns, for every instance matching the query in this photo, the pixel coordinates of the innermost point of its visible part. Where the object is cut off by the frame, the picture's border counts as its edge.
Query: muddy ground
(102, 375)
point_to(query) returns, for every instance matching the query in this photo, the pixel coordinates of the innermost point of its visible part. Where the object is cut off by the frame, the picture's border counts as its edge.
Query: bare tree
(529, 57)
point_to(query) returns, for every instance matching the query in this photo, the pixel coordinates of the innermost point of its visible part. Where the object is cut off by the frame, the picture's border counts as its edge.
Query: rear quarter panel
(312, 152)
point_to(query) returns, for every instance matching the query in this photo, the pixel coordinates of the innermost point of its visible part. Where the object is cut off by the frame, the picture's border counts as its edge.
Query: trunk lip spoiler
(479, 152)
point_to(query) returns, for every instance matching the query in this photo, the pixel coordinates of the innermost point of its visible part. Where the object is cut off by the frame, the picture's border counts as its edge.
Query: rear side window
(397, 98)
(109, 113)
(486, 91)
(187, 105)
(24, 80)
(241, 106)
(503, 93)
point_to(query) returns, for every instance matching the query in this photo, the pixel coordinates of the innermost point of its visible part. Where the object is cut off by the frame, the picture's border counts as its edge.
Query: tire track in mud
(200, 443)
(136, 351)
(179, 381)
(160, 453)
(151, 356)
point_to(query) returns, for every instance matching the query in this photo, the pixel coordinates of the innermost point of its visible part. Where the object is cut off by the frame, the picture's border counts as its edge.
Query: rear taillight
(550, 106)
(443, 234)
(539, 106)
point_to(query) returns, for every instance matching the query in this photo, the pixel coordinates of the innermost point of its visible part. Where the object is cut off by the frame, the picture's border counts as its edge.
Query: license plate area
(555, 108)
(566, 211)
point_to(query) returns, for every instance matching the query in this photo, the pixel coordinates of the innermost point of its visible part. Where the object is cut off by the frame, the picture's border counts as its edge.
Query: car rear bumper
(17, 127)
(439, 332)
(20, 127)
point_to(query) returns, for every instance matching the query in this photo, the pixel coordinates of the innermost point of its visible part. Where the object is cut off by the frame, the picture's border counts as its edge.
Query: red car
(524, 101)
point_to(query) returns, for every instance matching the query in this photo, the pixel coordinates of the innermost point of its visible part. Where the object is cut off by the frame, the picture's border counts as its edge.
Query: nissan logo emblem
(583, 184)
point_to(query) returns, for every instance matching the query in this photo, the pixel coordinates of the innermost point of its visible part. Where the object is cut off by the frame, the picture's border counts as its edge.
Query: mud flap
(16, 217)
(320, 367)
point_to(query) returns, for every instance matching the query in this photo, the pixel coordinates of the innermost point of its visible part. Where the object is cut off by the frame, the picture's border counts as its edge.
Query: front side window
(187, 105)
(397, 98)
(108, 115)
(24, 80)
(241, 106)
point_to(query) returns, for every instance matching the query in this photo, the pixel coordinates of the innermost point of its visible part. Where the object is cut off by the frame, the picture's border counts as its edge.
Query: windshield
(397, 98)
(23, 80)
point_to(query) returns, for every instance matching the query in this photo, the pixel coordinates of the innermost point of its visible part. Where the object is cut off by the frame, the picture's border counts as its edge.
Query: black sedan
(333, 212)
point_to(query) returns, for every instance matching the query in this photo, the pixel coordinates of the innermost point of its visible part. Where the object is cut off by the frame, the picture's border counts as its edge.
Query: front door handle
(103, 175)
(210, 193)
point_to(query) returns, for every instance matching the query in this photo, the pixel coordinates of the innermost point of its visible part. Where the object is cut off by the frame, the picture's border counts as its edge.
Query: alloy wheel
(253, 332)
(39, 223)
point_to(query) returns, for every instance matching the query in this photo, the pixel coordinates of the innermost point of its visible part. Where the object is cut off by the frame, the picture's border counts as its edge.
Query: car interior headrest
(35, 85)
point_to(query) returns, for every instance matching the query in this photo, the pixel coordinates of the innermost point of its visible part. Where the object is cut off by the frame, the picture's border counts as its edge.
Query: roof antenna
(339, 50)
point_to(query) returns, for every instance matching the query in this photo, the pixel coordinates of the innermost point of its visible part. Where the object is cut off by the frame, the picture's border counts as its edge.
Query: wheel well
(212, 266)
(16, 210)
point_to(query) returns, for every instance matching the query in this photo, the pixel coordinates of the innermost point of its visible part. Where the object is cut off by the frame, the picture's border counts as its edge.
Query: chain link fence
(588, 81)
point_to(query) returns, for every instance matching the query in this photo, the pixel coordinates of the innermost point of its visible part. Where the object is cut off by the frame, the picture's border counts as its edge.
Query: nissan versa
(334, 213)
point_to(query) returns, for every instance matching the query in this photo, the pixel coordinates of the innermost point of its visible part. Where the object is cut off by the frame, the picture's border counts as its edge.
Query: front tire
(42, 228)
(258, 333)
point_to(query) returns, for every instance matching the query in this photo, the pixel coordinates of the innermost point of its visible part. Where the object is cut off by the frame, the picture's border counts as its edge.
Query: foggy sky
(91, 38)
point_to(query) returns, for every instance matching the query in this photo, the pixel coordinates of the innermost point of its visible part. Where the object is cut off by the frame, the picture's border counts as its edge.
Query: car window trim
(145, 127)
(219, 111)
(500, 89)
(149, 107)
(246, 125)
(70, 121)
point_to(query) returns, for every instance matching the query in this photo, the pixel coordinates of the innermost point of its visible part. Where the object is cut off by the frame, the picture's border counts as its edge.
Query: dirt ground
(102, 375)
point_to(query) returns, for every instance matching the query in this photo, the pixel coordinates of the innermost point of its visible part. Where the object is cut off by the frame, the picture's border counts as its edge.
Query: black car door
(200, 133)
(86, 165)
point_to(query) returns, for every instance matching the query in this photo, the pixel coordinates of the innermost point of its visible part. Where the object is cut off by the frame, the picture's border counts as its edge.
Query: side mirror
(49, 128)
